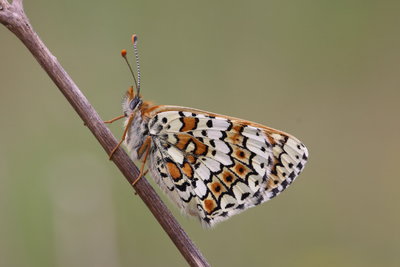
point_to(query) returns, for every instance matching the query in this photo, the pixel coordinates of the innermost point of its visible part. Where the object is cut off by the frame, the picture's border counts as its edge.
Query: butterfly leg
(128, 125)
(145, 148)
(115, 119)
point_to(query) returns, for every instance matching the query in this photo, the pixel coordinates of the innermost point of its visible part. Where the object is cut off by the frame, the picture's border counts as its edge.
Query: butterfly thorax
(138, 130)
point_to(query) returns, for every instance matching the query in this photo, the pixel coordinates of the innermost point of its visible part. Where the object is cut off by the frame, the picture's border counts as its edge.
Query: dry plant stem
(13, 17)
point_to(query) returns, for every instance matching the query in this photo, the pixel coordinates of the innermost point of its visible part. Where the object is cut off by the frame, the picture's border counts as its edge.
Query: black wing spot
(284, 184)
(230, 126)
(240, 207)
(275, 191)
(212, 143)
(245, 195)
(229, 205)
(269, 161)
(207, 220)
(300, 166)
(259, 200)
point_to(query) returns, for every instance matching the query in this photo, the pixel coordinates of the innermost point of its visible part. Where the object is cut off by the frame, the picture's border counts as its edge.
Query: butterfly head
(132, 102)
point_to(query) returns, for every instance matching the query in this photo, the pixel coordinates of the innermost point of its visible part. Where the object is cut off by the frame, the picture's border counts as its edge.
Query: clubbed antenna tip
(123, 53)
(134, 38)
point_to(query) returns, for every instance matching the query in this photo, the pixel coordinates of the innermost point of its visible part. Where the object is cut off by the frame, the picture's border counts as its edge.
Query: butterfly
(211, 166)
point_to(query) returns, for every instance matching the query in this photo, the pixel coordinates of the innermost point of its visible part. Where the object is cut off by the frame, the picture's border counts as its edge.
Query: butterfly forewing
(215, 166)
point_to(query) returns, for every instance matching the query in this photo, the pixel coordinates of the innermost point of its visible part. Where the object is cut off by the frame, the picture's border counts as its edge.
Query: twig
(13, 17)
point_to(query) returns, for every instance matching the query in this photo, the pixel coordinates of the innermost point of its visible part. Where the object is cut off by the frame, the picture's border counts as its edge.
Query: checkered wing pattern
(215, 166)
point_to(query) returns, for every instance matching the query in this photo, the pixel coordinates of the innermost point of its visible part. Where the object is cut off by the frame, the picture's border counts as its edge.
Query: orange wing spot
(209, 205)
(270, 139)
(174, 170)
(187, 170)
(201, 148)
(241, 170)
(183, 141)
(238, 128)
(189, 123)
(240, 154)
(191, 159)
(228, 177)
(217, 188)
(235, 137)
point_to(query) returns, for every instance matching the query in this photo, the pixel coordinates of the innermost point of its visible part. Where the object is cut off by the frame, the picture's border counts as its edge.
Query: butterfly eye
(134, 103)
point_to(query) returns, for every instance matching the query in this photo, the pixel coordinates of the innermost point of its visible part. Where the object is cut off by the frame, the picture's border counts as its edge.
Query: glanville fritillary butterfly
(211, 166)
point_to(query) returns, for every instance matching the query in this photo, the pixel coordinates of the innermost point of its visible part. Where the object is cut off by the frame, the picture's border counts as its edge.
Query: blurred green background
(325, 71)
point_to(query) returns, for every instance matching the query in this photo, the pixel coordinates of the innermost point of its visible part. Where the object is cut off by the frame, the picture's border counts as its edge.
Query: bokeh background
(325, 71)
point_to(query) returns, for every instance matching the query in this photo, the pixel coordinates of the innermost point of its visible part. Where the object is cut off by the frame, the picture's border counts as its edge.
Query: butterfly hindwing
(216, 166)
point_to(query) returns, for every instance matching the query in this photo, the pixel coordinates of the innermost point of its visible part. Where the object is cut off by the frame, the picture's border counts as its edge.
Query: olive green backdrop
(326, 71)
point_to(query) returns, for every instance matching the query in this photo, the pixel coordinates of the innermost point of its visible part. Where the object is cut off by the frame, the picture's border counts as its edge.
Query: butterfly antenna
(134, 42)
(123, 54)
